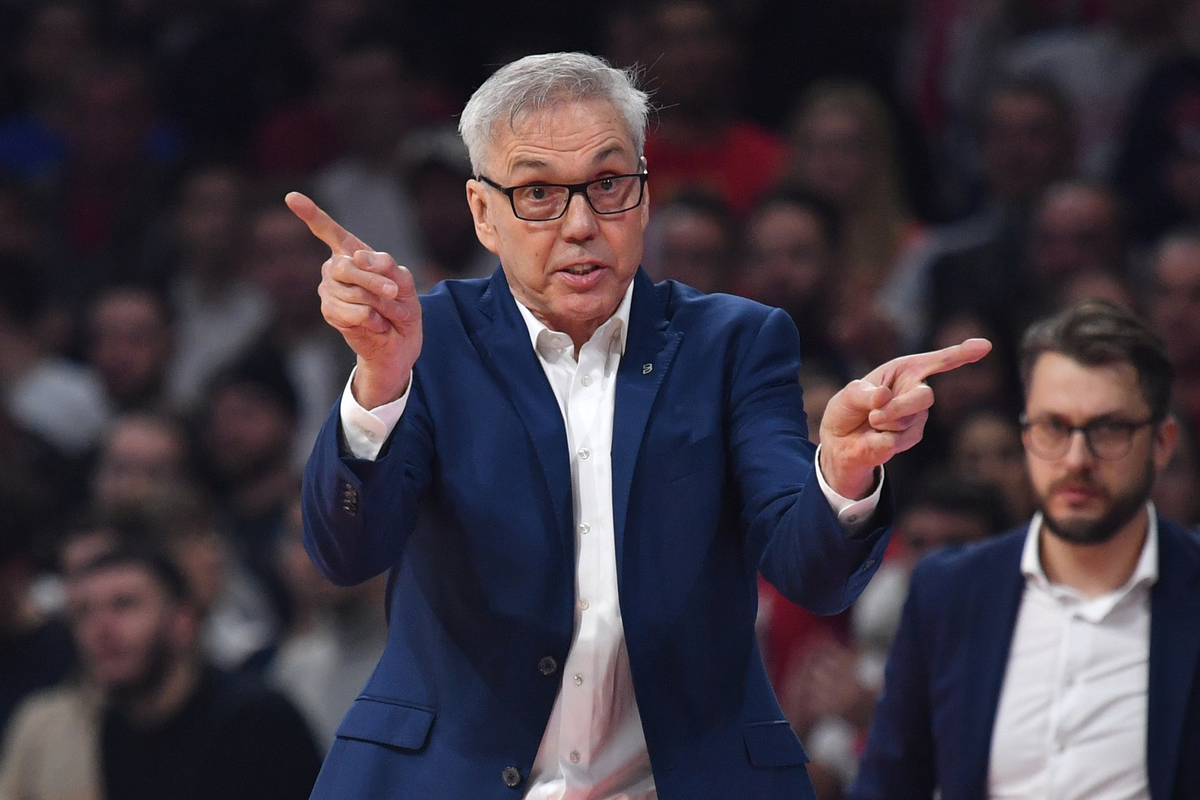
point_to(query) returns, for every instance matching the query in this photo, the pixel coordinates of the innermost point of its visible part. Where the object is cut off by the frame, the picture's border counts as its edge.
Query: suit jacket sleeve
(803, 549)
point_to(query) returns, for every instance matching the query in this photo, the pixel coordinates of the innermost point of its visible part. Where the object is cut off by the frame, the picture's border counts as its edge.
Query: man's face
(130, 342)
(1074, 232)
(1026, 145)
(126, 627)
(573, 271)
(1176, 309)
(1087, 500)
(787, 257)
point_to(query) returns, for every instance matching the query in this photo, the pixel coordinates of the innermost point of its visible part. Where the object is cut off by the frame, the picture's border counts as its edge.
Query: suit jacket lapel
(994, 604)
(1174, 650)
(503, 339)
(650, 346)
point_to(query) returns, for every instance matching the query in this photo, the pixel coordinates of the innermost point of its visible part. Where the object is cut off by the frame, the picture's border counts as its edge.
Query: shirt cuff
(853, 515)
(366, 431)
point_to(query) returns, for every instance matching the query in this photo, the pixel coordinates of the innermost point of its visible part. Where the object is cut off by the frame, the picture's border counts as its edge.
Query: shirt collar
(547, 342)
(1146, 570)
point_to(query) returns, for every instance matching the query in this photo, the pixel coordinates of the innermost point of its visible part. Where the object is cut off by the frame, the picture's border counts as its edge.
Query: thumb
(849, 408)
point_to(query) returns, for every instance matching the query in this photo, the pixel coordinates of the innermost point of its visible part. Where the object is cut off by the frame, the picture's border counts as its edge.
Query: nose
(579, 222)
(1078, 452)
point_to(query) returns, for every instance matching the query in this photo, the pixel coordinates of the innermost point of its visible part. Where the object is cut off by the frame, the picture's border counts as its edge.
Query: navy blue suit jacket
(470, 509)
(933, 723)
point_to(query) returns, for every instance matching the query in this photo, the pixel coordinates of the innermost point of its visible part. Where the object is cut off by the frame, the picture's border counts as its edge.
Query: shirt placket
(595, 585)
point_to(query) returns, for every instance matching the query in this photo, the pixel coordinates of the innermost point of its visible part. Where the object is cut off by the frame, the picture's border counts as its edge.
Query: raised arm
(373, 303)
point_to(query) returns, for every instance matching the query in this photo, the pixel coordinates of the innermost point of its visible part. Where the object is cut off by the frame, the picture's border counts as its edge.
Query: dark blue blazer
(470, 509)
(933, 723)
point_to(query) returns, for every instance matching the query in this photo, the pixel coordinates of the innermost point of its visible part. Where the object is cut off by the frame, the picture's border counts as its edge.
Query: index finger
(948, 358)
(323, 226)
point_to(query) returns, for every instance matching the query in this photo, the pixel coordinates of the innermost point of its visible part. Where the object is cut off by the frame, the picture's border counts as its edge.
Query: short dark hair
(161, 568)
(1096, 333)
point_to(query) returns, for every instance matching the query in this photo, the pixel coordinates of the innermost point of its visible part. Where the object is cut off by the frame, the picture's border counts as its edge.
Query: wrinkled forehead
(564, 119)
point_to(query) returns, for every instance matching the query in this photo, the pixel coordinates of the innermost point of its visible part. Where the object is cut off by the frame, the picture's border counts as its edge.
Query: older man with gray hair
(577, 482)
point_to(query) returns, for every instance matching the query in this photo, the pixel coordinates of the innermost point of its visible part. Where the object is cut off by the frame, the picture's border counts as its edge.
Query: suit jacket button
(511, 777)
(547, 666)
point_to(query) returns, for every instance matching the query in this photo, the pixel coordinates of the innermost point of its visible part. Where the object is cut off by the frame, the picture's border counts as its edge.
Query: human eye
(538, 199)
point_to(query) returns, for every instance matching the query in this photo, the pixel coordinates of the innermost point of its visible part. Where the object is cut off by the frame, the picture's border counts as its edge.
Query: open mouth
(582, 269)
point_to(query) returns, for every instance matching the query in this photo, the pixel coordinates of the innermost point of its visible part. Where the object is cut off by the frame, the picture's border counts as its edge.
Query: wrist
(372, 390)
(854, 483)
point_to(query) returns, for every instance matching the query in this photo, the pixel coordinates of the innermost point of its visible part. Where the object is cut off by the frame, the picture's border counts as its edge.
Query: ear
(1165, 439)
(477, 200)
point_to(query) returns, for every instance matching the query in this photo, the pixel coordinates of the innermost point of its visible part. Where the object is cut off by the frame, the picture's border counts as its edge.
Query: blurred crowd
(896, 174)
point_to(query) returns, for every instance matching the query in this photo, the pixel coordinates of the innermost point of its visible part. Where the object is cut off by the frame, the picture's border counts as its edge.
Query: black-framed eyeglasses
(1106, 438)
(543, 202)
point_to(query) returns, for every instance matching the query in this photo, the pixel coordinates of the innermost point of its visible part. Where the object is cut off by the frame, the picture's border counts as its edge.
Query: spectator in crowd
(1175, 313)
(370, 83)
(693, 56)
(34, 652)
(56, 43)
(333, 642)
(54, 398)
(129, 339)
(843, 148)
(1027, 137)
(174, 726)
(1075, 233)
(1159, 159)
(112, 182)
(985, 447)
(1174, 493)
(283, 260)
(247, 431)
(1099, 67)
(791, 260)
(692, 240)
(1061, 659)
(434, 166)
(218, 312)
(145, 457)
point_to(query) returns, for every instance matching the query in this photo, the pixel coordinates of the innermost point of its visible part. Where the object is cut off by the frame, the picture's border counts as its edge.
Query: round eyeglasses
(1107, 439)
(542, 202)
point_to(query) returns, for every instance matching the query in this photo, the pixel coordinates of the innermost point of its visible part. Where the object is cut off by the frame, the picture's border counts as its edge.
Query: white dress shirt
(1071, 720)
(593, 747)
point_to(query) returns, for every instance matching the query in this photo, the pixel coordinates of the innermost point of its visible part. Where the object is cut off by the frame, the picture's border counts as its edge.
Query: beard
(149, 678)
(1122, 508)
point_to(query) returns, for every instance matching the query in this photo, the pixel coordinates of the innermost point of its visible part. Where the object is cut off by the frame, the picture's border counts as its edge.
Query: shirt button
(852, 518)
(583, 604)
(584, 452)
(547, 666)
(371, 436)
(578, 679)
(511, 777)
(587, 380)
(574, 756)
(585, 528)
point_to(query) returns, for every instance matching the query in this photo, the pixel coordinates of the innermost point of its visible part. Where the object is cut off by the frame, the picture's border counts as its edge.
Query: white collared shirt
(594, 747)
(1071, 719)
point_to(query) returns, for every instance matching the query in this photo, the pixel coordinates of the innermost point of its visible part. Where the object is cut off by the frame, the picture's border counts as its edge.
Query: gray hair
(533, 83)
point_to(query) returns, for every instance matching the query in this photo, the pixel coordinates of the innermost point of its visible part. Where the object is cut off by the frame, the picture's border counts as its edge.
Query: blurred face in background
(788, 257)
(144, 458)
(129, 343)
(128, 629)
(1027, 144)
(1175, 312)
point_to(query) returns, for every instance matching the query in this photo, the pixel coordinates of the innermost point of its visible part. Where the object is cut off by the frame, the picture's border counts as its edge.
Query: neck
(1095, 569)
(158, 703)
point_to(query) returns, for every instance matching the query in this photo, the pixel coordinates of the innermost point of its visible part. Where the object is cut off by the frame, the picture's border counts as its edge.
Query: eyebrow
(528, 162)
